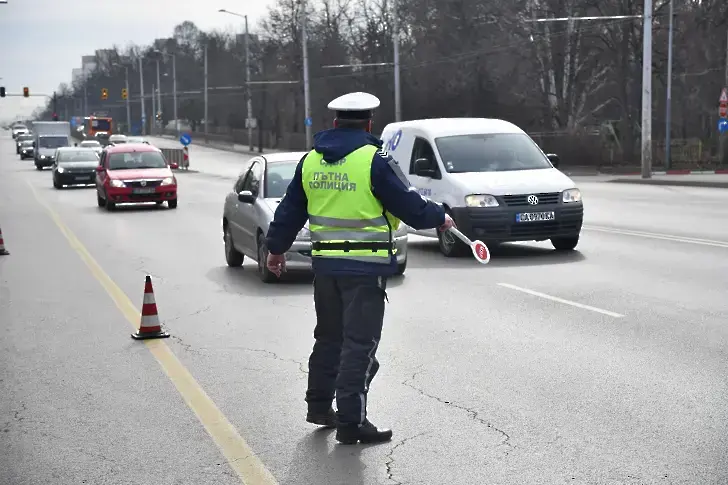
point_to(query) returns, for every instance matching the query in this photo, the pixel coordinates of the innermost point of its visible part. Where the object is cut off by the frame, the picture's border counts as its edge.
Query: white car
(93, 144)
(491, 177)
(249, 209)
(117, 139)
(20, 130)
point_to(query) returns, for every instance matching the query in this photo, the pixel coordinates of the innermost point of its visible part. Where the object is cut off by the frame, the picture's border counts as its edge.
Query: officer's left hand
(276, 264)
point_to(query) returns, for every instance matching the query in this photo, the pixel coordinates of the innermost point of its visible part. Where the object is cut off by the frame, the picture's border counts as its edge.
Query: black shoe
(366, 433)
(327, 419)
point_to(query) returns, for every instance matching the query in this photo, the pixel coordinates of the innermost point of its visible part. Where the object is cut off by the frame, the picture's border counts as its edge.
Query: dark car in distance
(74, 166)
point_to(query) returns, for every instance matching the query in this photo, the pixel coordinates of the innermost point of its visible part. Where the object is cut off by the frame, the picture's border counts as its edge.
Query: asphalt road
(603, 366)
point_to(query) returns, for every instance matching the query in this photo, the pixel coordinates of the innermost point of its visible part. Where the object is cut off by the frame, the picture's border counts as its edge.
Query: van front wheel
(450, 245)
(565, 243)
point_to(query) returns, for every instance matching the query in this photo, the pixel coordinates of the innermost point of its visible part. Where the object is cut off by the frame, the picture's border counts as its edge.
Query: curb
(683, 172)
(674, 183)
(224, 148)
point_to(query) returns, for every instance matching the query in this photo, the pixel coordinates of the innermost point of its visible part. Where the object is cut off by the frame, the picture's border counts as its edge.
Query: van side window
(423, 149)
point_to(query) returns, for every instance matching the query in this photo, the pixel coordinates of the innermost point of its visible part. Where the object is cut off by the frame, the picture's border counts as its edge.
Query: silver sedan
(249, 210)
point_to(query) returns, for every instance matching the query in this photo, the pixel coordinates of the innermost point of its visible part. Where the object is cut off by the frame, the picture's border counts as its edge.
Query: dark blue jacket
(389, 185)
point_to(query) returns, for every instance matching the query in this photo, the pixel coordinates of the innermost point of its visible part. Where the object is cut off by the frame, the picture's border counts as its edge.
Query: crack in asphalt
(474, 415)
(390, 456)
(188, 315)
(273, 355)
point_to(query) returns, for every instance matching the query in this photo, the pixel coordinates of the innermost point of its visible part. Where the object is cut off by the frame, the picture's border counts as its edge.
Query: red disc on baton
(481, 252)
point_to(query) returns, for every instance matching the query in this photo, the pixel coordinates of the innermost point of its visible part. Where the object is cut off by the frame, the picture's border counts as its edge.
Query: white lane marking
(561, 300)
(664, 237)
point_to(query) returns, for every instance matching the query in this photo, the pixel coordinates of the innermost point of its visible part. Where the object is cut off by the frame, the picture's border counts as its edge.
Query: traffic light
(55, 117)
(104, 94)
(2, 91)
(124, 93)
(26, 92)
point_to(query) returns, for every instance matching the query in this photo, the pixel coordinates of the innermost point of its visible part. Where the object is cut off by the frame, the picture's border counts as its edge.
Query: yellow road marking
(235, 449)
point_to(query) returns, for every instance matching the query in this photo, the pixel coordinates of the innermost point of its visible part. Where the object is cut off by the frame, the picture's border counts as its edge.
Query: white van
(491, 177)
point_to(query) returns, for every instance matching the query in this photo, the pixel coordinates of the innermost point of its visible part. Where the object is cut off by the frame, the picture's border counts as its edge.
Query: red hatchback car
(132, 174)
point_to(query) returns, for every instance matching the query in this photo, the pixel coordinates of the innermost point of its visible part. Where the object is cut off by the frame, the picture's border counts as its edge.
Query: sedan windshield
(75, 156)
(136, 160)
(278, 177)
(52, 141)
(492, 152)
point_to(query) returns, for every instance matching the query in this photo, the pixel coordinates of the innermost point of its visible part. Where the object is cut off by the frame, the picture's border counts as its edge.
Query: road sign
(723, 111)
(723, 125)
(185, 139)
(308, 121)
(723, 96)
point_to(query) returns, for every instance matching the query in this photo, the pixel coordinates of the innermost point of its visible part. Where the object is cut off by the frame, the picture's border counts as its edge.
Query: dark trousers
(349, 318)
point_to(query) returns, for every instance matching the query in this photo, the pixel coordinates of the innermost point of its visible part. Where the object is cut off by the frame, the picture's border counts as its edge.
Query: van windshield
(52, 141)
(490, 152)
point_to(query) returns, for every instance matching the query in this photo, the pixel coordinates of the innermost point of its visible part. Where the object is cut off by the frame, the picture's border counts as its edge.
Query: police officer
(354, 196)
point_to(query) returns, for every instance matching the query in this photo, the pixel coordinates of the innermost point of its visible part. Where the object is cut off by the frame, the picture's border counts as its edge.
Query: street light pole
(174, 91)
(141, 89)
(206, 121)
(668, 102)
(306, 93)
(395, 43)
(128, 106)
(247, 84)
(159, 95)
(647, 92)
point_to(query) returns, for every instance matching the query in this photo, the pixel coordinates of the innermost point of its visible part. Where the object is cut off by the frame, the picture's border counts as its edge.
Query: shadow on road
(318, 456)
(426, 254)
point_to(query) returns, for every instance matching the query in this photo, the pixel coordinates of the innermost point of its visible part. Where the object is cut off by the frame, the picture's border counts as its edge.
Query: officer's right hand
(276, 264)
(448, 223)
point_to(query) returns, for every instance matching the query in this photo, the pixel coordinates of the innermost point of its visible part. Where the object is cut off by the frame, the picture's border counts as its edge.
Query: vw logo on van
(532, 199)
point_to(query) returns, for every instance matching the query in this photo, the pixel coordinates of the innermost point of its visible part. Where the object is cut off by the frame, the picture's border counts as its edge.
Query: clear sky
(41, 41)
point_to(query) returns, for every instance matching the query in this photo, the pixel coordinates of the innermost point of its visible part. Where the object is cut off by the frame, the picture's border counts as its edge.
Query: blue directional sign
(308, 121)
(185, 139)
(723, 125)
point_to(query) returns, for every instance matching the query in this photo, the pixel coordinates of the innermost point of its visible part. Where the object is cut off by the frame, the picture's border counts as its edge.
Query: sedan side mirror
(423, 167)
(246, 197)
(554, 159)
(100, 168)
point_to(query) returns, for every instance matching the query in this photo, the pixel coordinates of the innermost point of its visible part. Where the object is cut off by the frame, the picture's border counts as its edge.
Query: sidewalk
(228, 147)
(712, 179)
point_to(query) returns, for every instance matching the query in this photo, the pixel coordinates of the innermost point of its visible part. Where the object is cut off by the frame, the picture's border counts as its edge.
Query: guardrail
(177, 156)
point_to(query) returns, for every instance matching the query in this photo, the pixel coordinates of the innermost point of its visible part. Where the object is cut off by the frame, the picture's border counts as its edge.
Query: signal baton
(480, 250)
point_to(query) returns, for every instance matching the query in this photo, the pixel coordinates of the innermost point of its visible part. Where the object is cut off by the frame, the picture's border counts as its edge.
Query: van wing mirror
(246, 197)
(423, 167)
(554, 159)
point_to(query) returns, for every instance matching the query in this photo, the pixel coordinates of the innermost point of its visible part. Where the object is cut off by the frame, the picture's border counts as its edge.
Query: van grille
(522, 199)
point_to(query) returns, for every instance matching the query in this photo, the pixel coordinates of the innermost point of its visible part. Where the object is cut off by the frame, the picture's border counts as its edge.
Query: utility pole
(306, 93)
(128, 102)
(206, 121)
(247, 84)
(174, 90)
(85, 96)
(647, 92)
(141, 89)
(723, 137)
(154, 113)
(668, 103)
(395, 43)
(159, 96)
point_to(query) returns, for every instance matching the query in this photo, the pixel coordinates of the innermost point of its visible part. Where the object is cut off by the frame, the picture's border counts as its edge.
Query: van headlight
(117, 183)
(61, 169)
(571, 195)
(480, 200)
(303, 235)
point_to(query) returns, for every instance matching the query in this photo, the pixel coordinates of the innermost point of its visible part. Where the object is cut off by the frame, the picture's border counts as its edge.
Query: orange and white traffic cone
(149, 326)
(3, 251)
